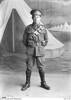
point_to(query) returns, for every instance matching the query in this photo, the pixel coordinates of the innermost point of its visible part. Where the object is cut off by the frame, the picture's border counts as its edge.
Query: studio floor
(11, 82)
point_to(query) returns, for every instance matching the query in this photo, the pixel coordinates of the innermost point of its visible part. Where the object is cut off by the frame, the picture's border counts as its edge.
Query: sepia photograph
(35, 49)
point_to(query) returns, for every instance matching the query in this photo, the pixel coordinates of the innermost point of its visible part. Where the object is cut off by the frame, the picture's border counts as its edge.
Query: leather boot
(27, 84)
(43, 82)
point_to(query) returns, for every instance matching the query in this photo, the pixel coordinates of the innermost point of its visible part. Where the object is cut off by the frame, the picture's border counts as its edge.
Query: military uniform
(34, 44)
(35, 38)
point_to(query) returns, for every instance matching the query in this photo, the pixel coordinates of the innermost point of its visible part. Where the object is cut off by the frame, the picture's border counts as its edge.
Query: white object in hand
(36, 32)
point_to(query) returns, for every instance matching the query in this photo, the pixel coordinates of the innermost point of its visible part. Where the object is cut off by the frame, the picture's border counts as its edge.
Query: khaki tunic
(34, 44)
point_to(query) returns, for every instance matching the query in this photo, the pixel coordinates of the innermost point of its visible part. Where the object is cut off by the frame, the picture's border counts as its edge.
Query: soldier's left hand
(43, 43)
(36, 33)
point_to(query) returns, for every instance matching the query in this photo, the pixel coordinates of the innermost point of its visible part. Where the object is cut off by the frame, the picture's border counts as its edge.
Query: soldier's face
(37, 19)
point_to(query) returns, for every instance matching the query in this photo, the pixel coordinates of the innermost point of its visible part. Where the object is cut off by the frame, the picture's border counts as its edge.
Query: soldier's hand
(43, 43)
(36, 33)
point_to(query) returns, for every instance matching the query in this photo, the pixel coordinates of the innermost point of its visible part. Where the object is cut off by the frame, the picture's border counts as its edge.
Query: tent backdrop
(14, 16)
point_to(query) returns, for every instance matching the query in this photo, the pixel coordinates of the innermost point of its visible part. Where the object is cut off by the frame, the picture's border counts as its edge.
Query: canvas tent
(19, 7)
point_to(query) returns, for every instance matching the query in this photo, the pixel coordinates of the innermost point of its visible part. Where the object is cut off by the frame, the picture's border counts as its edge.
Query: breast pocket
(30, 40)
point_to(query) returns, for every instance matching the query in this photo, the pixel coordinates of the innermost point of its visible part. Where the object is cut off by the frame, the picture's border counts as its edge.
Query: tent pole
(13, 30)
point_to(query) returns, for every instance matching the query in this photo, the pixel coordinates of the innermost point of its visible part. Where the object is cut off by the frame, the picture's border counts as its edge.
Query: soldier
(35, 39)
